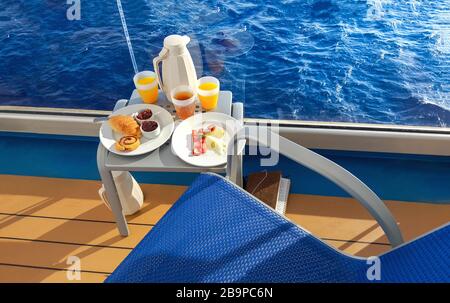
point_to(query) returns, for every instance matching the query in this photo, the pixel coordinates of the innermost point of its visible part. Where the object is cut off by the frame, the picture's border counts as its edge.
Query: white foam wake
(127, 35)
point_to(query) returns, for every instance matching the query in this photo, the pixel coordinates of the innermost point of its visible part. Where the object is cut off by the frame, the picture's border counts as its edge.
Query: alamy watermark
(74, 10)
(373, 273)
(74, 270)
(263, 141)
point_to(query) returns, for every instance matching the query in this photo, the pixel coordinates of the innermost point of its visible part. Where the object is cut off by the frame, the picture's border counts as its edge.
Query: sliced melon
(215, 144)
(216, 131)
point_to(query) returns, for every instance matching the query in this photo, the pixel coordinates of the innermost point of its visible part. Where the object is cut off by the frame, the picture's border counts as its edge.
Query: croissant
(125, 125)
(127, 143)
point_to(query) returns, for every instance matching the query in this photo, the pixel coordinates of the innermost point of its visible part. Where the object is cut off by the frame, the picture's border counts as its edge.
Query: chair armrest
(328, 169)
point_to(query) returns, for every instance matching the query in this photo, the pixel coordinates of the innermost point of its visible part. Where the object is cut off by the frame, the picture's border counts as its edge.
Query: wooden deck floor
(44, 221)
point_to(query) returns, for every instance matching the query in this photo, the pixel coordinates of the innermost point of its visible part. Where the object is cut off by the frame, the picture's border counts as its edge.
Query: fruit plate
(108, 137)
(182, 138)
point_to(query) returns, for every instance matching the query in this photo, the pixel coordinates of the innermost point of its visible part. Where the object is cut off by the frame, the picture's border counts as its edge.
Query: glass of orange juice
(147, 86)
(208, 92)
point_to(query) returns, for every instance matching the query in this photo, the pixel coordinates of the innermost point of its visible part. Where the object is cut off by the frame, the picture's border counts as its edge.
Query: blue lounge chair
(217, 232)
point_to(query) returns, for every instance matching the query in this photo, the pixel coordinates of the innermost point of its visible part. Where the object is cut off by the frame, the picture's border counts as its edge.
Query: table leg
(111, 191)
(237, 111)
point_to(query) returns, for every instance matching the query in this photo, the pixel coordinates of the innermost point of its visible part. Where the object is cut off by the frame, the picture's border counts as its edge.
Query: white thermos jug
(177, 65)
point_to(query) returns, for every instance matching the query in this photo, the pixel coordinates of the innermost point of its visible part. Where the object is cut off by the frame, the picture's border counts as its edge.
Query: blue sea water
(376, 61)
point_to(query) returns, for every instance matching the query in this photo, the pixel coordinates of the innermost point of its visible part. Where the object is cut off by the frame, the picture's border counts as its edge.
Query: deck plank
(345, 219)
(77, 199)
(55, 255)
(328, 217)
(43, 221)
(68, 231)
(17, 274)
(359, 249)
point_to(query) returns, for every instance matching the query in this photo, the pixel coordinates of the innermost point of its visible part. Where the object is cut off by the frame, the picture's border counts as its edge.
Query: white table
(160, 160)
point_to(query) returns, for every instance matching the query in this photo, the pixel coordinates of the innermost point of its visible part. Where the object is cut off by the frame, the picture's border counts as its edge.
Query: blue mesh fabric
(216, 232)
(424, 260)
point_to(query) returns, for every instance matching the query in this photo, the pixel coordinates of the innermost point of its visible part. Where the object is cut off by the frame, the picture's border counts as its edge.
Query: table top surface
(164, 159)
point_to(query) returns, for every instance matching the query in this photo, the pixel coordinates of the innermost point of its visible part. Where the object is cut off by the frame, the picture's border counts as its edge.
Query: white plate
(108, 137)
(182, 136)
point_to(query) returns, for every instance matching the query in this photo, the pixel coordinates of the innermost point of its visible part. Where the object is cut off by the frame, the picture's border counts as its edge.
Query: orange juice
(150, 94)
(208, 92)
(208, 86)
(147, 86)
(146, 80)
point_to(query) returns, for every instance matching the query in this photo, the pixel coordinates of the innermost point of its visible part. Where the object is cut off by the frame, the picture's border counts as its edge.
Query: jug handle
(162, 55)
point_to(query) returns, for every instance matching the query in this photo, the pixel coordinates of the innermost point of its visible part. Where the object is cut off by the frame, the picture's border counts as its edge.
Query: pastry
(125, 125)
(128, 143)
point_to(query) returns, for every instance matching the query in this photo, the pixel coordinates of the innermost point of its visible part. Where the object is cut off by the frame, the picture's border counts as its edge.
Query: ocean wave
(379, 61)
